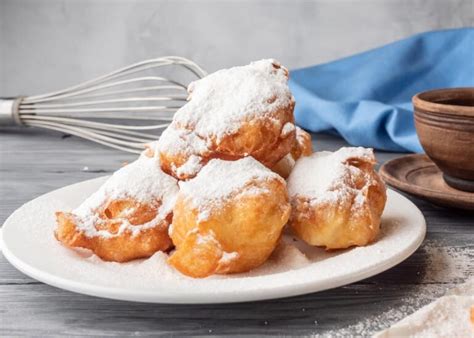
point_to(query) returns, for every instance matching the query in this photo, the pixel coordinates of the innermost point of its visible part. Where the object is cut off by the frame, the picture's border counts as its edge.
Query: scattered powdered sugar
(220, 180)
(143, 181)
(447, 264)
(448, 316)
(287, 256)
(326, 176)
(423, 294)
(219, 102)
(464, 289)
(443, 266)
(228, 257)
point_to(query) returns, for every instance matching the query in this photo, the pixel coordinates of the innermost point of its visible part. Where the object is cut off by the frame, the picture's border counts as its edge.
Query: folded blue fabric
(366, 98)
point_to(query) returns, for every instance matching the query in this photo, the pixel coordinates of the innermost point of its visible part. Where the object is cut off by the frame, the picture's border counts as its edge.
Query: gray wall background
(49, 44)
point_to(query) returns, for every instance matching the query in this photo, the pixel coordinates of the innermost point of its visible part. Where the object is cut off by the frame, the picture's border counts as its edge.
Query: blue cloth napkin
(366, 98)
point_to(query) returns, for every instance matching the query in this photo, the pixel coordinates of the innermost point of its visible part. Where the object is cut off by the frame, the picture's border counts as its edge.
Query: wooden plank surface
(33, 162)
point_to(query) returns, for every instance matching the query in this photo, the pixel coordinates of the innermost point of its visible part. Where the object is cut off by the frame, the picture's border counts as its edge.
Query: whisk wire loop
(127, 94)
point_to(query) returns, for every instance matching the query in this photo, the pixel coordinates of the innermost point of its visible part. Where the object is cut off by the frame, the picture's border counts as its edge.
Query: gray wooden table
(34, 162)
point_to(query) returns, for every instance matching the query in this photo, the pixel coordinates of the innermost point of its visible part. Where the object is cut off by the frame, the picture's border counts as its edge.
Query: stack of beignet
(232, 113)
(213, 187)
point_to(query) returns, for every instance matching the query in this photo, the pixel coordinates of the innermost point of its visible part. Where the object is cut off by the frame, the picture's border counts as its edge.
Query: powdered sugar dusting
(327, 177)
(448, 316)
(204, 239)
(366, 327)
(190, 167)
(228, 257)
(181, 141)
(445, 265)
(142, 181)
(287, 256)
(219, 102)
(219, 180)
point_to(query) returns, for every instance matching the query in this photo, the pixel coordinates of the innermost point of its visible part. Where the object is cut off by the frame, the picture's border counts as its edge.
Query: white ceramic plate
(28, 243)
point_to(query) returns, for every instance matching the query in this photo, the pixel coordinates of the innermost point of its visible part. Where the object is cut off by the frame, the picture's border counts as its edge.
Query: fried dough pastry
(337, 198)
(232, 113)
(228, 219)
(127, 218)
(301, 147)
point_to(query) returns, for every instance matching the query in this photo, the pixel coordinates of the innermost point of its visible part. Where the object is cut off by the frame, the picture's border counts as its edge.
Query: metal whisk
(101, 110)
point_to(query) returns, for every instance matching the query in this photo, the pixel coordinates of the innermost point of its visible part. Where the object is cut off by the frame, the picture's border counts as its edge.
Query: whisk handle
(9, 111)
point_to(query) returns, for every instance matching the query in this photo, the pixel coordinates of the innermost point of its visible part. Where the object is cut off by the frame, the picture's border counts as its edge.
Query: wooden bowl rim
(427, 101)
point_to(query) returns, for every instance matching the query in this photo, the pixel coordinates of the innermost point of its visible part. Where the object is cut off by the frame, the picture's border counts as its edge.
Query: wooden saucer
(418, 175)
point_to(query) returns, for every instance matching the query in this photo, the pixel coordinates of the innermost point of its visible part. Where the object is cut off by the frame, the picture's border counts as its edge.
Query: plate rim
(274, 292)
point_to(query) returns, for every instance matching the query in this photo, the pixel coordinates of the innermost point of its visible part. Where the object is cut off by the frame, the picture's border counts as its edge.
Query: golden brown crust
(169, 163)
(262, 139)
(123, 247)
(284, 166)
(245, 228)
(118, 227)
(345, 223)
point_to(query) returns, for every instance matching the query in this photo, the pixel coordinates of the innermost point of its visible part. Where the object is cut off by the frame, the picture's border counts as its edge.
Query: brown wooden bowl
(444, 121)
